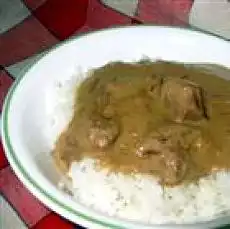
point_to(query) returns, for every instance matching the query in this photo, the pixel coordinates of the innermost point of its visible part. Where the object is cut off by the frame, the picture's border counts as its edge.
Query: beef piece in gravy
(103, 133)
(163, 119)
(185, 99)
(169, 146)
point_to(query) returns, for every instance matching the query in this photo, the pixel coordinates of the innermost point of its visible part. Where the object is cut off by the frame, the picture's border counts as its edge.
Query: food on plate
(164, 122)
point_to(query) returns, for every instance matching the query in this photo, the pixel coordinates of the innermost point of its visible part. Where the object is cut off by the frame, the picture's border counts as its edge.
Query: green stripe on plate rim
(6, 136)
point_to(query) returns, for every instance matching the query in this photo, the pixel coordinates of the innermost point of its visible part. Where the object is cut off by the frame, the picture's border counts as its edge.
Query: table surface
(28, 29)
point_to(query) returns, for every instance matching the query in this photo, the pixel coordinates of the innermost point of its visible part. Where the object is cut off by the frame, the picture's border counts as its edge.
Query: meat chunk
(103, 132)
(169, 147)
(185, 99)
(170, 166)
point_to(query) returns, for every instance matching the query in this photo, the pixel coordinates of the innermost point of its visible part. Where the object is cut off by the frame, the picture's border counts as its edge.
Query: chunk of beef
(171, 166)
(185, 99)
(103, 132)
(169, 146)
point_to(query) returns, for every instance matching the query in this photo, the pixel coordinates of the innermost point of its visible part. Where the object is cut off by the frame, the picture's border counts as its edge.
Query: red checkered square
(101, 16)
(3, 160)
(28, 207)
(169, 12)
(54, 221)
(34, 4)
(24, 40)
(62, 18)
(151, 12)
(179, 9)
(5, 83)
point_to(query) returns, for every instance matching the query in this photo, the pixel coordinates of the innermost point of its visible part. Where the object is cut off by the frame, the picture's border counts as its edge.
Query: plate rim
(23, 175)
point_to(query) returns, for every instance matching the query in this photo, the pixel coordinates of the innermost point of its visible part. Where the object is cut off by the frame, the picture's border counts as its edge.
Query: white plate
(25, 110)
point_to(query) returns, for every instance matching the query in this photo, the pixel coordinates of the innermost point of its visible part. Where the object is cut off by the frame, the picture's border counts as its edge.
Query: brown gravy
(164, 119)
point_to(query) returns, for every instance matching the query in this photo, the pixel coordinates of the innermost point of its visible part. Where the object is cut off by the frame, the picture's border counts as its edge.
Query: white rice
(141, 198)
(137, 197)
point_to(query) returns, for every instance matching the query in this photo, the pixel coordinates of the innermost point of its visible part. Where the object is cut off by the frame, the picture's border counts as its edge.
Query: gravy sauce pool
(160, 118)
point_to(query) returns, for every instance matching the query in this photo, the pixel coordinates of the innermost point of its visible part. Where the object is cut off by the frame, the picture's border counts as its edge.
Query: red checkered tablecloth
(28, 28)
